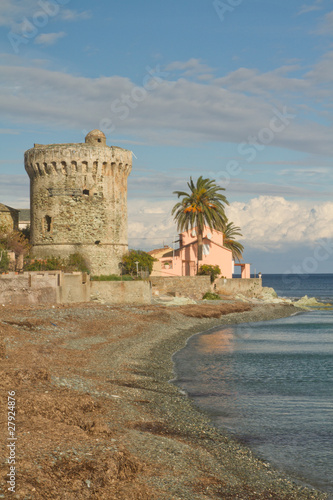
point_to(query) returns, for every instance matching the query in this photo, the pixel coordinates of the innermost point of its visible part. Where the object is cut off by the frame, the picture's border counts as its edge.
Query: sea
(269, 384)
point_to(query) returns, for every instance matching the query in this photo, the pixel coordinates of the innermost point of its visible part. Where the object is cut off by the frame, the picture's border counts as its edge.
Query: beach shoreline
(96, 381)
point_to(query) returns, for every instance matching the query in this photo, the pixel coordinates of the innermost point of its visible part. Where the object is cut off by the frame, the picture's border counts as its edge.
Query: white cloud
(321, 79)
(154, 185)
(326, 26)
(310, 8)
(49, 38)
(245, 187)
(306, 172)
(13, 12)
(73, 15)
(192, 67)
(14, 190)
(8, 131)
(269, 222)
(150, 224)
(251, 80)
(153, 211)
(173, 112)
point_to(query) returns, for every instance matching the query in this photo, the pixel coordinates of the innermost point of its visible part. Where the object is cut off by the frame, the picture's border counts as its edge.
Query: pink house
(183, 260)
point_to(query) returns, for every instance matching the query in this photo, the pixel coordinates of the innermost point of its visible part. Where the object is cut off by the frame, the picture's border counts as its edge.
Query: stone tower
(78, 197)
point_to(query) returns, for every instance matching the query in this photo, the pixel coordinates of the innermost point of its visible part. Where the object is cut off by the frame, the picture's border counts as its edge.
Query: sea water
(270, 383)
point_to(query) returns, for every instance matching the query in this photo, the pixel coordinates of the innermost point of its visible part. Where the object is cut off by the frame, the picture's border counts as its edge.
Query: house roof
(159, 250)
(5, 208)
(170, 254)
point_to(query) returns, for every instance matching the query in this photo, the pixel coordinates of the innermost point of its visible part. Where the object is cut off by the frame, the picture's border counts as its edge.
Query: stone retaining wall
(61, 288)
(73, 288)
(188, 286)
(251, 287)
(121, 292)
(32, 288)
(21, 290)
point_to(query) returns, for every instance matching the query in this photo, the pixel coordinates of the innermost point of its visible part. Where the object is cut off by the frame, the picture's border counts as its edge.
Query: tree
(202, 206)
(144, 260)
(229, 241)
(4, 259)
(16, 242)
(208, 270)
(26, 231)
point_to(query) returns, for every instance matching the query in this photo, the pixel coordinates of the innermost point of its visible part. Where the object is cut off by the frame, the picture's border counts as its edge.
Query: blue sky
(236, 90)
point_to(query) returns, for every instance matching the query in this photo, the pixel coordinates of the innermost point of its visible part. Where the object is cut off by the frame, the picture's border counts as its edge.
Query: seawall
(56, 287)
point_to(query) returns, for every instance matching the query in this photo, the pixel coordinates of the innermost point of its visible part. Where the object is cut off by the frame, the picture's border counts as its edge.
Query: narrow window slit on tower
(86, 191)
(48, 221)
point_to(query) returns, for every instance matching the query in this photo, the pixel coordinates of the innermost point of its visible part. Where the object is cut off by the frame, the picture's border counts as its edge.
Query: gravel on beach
(97, 416)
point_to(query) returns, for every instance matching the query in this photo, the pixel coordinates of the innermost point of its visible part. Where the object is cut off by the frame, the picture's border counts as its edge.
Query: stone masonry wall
(121, 292)
(251, 287)
(9, 219)
(73, 288)
(33, 288)
(21, 290)
(196, 286)
(79, 202)
(188, 286)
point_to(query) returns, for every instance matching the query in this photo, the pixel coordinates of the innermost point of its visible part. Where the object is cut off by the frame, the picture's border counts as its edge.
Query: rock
(180, 301)
(268, 291)
(242, 298)
(310, 302)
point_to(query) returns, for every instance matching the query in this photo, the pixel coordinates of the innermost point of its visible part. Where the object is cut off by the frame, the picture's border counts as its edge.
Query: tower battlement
(79, 201)
(70, 159)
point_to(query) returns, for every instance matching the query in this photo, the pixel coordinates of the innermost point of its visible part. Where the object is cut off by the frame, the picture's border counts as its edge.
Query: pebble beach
(99, 417)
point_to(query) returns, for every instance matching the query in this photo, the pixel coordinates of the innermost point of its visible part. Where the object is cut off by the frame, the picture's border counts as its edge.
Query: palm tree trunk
(200, 245)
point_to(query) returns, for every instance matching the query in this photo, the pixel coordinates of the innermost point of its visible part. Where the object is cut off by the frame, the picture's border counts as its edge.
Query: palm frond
(229, 241)
(203, 205)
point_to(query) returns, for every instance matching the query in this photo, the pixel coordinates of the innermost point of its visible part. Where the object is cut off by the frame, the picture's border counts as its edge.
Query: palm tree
(229, 241)
(202, 206)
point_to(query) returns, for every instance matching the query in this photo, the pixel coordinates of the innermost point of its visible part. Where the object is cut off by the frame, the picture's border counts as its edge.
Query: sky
(239, 91)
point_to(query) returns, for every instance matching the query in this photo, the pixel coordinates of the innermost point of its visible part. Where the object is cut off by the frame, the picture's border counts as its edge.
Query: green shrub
(76, 262)
(26, 231)
(111, 277)
(145, 262)
(51, 264)
(4, 260)
(34, 265)
(208, 270)
(211, 296)
(54, 263)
